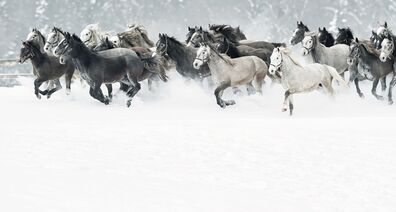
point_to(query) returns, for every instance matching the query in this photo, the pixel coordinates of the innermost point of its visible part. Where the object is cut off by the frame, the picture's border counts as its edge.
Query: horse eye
(162, 44)
(86, 34)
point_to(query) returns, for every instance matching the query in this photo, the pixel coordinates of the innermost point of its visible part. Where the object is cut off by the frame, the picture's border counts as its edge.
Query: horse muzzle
(383, 58)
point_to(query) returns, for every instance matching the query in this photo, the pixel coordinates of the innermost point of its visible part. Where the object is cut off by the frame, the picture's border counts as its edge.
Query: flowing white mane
(95, 29)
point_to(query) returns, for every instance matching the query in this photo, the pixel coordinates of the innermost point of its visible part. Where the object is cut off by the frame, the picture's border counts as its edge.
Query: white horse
(92, 35)
(227, 72)
(335, 56)
(38, 38)
(53, 39)
(297, 78)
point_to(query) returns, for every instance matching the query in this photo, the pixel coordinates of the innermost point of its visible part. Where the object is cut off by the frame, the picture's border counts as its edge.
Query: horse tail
(333, 72)
(279, 45)
(154, 65)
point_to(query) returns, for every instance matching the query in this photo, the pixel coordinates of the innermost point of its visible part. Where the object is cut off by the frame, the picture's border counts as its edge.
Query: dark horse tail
(154, 65)
(279, 44)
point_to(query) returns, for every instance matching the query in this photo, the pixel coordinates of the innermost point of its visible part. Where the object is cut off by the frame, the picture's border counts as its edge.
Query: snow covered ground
(176, 150)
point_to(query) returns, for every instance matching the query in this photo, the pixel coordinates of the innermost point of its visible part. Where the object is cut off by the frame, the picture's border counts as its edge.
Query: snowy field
(176, 150)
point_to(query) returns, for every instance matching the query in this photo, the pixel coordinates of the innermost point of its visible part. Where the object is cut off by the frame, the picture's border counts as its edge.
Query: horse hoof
(38, 96)
(48, 96)
(222, 105)
(361, 96)
(390, 102)
(381, 98)
(68, 91)
(128, 103)
(230, 102)
(284, 109)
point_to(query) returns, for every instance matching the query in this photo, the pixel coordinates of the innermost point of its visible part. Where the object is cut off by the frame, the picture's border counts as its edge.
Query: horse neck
(124, 43)
(84, 55)
(216, 62)
(176, 51)
(365, 54)
(288, 65)
(39, 58)
(318, 51)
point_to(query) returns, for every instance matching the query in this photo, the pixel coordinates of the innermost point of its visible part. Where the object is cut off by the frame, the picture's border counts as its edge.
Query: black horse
(325, 37)
(369, 67)
(45, 68)
(183, 56)
(105, 67)
(199, 36)
(344, 36)
(191, 31)
(299, 33)
(143, 53)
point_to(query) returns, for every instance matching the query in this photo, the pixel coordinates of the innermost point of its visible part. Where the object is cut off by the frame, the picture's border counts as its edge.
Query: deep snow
(176, 150)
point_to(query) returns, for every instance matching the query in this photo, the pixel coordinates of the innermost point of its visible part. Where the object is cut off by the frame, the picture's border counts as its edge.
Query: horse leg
(150, 84)
(251, 89)
(134, 89)
(286, 101)
(374, 89)
(383, 84)
(68, 80)
(50, 85)
(219, 92)
(258, 82)
(110, 91)
(124, 87)
(343, 75)
(361, 95)
(37, 83)
(391, 85)
(291, 105)
(97, 94)
(58, 86)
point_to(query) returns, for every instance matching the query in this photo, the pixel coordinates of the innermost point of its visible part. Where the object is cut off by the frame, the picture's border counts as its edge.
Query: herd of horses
(221, 54)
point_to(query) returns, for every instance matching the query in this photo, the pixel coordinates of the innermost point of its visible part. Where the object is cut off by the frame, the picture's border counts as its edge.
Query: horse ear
(386, 25)
(357, 40)
(319, 29)
(200, 28)
(324, 29)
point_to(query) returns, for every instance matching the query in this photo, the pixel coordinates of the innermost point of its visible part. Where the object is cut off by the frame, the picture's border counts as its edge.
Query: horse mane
(76, 38)
(95, 28)
(174, 40)
(137, 29)
(56, 29)
(233, 34)
(224, 57)
(370, 49)
(288, 52)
